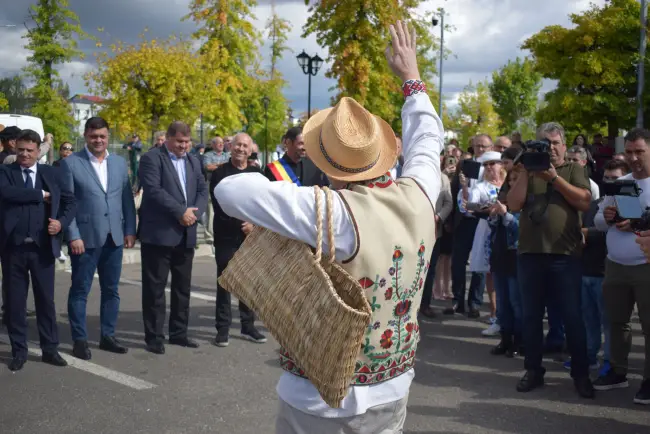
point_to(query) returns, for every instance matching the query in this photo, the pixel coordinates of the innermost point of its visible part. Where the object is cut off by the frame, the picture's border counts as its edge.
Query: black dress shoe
(474, 314)
(53, 358)
(454, 310)
(184, 342)
(502, 348)
(81, 350)
(156, 347)
(584, 387)
(109, 343)
(532, 379)
(17, 363)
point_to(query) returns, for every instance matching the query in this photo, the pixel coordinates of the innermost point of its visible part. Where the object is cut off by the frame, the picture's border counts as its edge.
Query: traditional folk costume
(383, 234)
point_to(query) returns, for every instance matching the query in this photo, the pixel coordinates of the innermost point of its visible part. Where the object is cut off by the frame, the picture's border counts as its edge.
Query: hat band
(343, 168)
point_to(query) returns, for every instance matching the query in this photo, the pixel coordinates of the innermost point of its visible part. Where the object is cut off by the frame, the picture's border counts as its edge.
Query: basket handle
(319, 224)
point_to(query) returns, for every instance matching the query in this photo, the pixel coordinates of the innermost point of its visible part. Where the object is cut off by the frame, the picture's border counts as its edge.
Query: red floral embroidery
(366, 283)
(388, 294)
(402, 308)
(386, 341)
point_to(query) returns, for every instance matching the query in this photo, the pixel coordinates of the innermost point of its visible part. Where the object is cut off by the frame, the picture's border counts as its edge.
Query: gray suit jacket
(163, 202)
(99, 212)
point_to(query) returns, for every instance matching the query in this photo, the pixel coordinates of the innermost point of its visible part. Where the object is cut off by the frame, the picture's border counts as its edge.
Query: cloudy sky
(487, 33)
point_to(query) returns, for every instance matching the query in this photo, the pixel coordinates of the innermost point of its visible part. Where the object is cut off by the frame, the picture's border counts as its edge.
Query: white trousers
(383, 419)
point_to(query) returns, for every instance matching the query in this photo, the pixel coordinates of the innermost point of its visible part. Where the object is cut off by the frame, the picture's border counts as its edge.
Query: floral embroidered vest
(395, 230)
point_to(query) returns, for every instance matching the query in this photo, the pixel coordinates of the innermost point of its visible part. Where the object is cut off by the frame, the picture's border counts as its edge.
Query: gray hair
(159, 134)
(549, 128)
(478, 136)
(579, 151)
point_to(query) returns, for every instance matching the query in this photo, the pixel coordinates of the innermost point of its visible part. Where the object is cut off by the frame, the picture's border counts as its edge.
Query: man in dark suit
(229, 234)
(174, 196)
(36, 206)
(295, 165)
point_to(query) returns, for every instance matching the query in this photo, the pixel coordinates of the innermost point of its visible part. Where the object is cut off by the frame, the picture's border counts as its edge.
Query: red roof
(91, 98)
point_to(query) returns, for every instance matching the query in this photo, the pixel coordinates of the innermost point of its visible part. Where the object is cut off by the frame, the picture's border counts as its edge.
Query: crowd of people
(542, 241)
(547, 243)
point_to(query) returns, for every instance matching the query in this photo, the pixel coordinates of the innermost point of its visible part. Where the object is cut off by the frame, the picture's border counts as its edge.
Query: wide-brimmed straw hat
(348, 143)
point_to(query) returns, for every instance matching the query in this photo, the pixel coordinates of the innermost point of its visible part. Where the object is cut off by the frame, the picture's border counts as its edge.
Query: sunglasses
(66, 148)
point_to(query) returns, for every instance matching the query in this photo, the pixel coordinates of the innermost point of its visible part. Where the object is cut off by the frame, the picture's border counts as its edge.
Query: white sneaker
(63, 257)
(493, 330)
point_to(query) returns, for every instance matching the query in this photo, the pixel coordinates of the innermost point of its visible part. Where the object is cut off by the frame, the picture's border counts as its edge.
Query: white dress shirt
(32, 175)
(101, 168)
(290, 210)
(179, 165)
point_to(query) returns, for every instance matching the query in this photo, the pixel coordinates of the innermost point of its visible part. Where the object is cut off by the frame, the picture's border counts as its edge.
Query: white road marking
(196, 295)
(91, 368)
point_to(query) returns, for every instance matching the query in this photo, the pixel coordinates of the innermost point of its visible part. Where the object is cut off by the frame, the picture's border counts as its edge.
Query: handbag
(315, 309)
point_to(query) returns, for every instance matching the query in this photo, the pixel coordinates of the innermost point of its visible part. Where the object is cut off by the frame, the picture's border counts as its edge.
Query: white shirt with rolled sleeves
(290, 210)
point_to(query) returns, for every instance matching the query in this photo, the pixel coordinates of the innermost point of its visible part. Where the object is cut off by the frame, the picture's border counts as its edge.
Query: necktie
(28, 179)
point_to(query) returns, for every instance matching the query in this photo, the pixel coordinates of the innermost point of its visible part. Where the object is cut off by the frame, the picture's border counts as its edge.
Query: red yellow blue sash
(283, 172)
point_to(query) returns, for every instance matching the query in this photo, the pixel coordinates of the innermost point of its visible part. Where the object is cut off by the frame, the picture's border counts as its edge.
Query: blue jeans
(509, 311)
(593, 313)
(463, 240)
(559, 276)
(107, 261)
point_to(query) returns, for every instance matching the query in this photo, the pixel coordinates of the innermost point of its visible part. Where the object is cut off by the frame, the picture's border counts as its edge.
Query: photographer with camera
(550, 193)
(627, 273)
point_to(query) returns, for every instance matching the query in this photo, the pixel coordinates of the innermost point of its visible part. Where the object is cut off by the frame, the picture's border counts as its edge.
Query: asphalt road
(459, 387)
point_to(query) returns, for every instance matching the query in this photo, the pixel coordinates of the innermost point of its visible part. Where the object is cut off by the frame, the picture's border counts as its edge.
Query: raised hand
(402, 59)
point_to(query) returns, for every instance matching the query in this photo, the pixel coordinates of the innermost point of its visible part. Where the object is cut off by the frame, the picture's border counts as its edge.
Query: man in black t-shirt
(229, 234)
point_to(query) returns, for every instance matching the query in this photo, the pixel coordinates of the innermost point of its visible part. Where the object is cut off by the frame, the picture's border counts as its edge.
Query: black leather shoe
(81, 350)
(183, 342)
(53, 358)
(584, 387)
(17, 364)
(532, 379)
(109, 343)
(474, 314)
(156, 347)
(502, 348)
(454, 310)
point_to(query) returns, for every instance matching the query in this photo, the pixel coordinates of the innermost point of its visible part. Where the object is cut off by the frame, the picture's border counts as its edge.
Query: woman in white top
(482, 195)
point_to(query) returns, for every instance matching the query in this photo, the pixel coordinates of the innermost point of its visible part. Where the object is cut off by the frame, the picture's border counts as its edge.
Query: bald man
(229, 234)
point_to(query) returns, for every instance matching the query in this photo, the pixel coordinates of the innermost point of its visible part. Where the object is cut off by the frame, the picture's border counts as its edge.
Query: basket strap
(319, 225)
(330, 225)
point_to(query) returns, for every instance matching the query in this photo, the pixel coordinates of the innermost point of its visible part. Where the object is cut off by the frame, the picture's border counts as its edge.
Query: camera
(626, 194)
(535, 156)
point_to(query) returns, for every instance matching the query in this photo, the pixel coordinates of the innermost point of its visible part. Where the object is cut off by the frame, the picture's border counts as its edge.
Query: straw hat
(349, 143)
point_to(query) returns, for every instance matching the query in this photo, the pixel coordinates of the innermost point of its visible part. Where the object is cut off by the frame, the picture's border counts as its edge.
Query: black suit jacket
(163, 203)
(14, 196)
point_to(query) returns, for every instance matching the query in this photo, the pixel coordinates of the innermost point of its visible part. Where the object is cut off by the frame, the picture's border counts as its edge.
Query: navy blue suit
(166, 244)
(28, 250)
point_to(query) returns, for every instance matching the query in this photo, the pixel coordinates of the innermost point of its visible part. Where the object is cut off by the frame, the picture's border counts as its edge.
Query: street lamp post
(266, 101)
(434, 21)
(641, 66)
(310, 66)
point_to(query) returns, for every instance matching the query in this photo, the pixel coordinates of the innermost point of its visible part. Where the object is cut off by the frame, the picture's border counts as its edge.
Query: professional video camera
(535, 156)
(626, 193)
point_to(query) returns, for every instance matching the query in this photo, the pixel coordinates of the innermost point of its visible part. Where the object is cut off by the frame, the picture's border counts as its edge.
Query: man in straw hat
(384, 234)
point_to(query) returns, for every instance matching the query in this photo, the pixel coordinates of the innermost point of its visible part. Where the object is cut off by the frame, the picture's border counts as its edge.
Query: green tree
(16, 93)
(153, 83)
(229, 37)
(4, 103)
(475, 113)
(355, 33)
(52, 42)
(514, 90)
(594, 62)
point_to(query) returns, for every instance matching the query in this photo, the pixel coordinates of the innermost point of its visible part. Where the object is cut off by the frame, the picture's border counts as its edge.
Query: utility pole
(641, 66)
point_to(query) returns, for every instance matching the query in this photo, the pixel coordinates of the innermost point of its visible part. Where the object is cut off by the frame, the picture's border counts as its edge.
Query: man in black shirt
(295, 166)
(229, 234)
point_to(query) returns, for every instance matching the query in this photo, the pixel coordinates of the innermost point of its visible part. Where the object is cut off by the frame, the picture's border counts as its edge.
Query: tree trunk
(612, 127)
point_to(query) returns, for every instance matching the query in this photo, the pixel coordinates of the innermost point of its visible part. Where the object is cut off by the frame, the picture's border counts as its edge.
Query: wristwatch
(552, 181)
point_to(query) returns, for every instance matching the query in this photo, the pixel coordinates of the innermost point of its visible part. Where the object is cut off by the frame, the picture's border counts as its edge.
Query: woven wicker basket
(311, 306)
